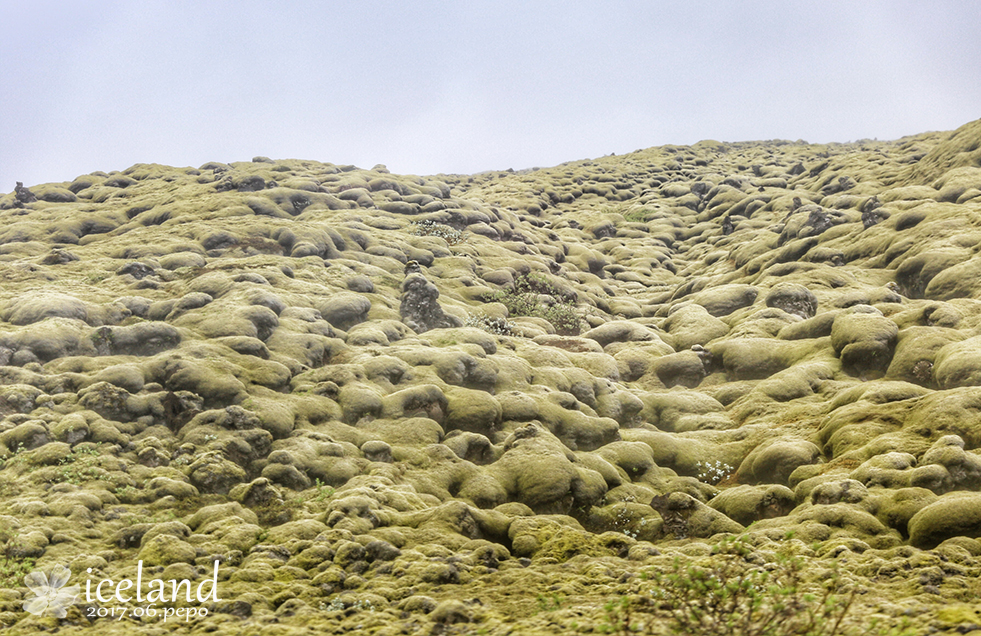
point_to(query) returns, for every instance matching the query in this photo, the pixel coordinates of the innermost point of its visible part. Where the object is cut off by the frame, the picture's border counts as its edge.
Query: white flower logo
(50, 594)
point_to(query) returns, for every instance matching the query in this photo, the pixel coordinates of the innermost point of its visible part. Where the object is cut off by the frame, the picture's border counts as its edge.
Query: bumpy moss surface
(391, 404)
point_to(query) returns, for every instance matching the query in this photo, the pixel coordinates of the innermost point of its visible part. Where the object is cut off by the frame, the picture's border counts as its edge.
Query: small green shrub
(299, 500)
(125, 491)
(13, 571)
(734, 596)
(94, 278)
(324, 492)
(564, 317)
(81, 465)
(641, 215)
(533, 295)
(550, 603)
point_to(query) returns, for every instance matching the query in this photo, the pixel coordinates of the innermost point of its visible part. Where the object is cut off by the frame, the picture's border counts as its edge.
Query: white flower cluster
(622, 521)
(449, 234)
(498, 326)
(713, 474)
(338, 605)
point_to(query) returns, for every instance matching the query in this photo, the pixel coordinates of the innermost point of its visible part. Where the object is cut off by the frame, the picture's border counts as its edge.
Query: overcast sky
(428, 87)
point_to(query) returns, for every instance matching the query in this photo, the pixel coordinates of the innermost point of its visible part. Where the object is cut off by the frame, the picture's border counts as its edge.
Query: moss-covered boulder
(164, 549)
(774, 462)
(746, 504)
(538, 471)
(686, 517)
(958, 364)
(725, 299)
(864, 339)
(952, 515)
(792, 298)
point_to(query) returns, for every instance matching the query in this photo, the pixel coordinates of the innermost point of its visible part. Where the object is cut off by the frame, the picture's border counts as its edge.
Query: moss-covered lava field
(494, 403)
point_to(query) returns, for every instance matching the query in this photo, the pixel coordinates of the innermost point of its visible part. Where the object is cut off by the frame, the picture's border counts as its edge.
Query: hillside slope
(407, 404)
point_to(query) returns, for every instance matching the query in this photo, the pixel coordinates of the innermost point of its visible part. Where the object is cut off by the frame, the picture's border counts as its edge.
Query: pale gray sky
(427, 87)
